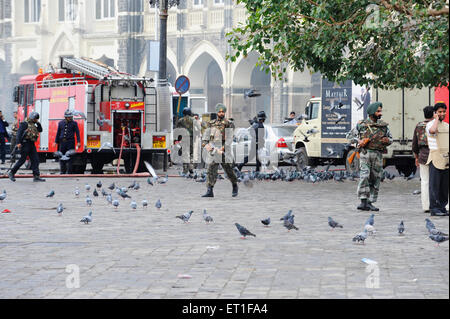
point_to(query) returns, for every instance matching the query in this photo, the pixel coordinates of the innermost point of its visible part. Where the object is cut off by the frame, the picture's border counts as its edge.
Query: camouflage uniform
(371, 158)
(187, 122)
(14, 130)
(216, 129)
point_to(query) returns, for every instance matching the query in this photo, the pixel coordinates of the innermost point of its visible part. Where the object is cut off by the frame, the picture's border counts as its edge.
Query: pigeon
(87, 219)
(206, 217)
(136, 187)
(340, 117)
(87, 187)
(77, 192)
(99, 184)
(438, 238)
(370, 220)
(144, 203)
(362, 236)
(79, 113)
(52, 192)
(163, 180)
(417, 192)
(401, 228)
(112, 186)
(246, 181)
(88, 200)
(107, 145)
(185, 217)
(132, 185)
(243, 231)
(149, 181)
(95, 193)
(59, 209)
(158, 204)
(115, 203)
(429, 224)
(289, 225)
(369, 229)
(333, 224)
(109, 198)
(285, 217)
(266, 222)
(3, 196)
(133, 205)
(124, 195)
(104, 193)
(151, 171)
(434, 231)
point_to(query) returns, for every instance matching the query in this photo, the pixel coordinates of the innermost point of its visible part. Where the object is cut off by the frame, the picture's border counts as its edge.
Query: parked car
(278, 138)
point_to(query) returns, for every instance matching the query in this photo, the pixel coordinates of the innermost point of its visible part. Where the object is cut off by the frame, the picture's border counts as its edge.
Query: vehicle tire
(97, 167)
(79, 168)
(302, 159)
(354, 167)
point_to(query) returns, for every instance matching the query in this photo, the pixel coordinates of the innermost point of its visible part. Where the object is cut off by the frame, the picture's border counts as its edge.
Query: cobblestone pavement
(140, 254)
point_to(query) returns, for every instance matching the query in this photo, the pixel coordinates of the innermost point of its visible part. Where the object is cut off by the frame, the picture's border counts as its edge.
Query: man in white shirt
(437, 135)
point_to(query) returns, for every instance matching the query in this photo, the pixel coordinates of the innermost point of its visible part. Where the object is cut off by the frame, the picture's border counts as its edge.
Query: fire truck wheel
(79, 168)
(97, 167)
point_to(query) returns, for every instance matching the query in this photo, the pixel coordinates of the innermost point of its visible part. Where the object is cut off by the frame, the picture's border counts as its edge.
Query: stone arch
(206, 71)
(28, 67)
(62, 46)
(301, 87)
(246, 75)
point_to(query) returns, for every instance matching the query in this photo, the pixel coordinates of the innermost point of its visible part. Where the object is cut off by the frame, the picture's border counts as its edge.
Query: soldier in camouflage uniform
(215, 134)
(187, 122)
(14, 129)
(27, 135)
(371, 158)
(421, 151)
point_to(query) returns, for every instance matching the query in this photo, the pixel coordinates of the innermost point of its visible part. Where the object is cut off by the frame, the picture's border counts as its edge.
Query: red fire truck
(117, 113)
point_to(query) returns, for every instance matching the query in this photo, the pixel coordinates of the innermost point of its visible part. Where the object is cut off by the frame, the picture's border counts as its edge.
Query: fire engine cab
(117, 113)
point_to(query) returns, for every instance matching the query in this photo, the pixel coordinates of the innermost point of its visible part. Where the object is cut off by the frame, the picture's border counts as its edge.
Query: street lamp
(163, 5)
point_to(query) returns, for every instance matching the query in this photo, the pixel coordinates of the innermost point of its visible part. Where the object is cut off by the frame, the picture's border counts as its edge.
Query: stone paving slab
(140, 254)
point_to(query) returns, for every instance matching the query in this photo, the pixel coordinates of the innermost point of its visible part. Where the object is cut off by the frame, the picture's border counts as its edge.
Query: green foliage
(388, 44)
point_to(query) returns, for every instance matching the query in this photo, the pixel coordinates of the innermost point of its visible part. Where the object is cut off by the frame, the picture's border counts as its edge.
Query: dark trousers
(246, 159)
(2, 147)
(28, 149)
(13, 149)
(66, 167)
(438, 188)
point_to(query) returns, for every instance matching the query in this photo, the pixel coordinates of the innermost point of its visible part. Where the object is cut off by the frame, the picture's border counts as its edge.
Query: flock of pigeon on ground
(307, 174)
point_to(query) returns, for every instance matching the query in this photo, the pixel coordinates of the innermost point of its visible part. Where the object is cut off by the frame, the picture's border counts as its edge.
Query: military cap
(220, 107)
(34, 116)
(372, 108)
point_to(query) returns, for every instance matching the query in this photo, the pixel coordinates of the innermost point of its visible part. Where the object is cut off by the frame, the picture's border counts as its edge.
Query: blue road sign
(182, 84)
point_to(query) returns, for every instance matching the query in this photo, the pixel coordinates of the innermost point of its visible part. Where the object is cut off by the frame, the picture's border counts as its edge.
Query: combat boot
(371, 207)
(11, 177)
(235, 190)
(209, 192)
(37, 178)
(363, 205)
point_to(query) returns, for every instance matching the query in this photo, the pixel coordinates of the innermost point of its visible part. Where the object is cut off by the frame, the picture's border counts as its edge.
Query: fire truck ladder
(86, 67)
(97, 69)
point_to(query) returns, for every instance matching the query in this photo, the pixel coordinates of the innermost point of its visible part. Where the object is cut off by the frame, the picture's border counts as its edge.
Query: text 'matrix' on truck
(321, 136)
(113, 107)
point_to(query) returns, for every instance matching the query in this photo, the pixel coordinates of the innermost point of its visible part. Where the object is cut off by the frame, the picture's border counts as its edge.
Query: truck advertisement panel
(336, 117)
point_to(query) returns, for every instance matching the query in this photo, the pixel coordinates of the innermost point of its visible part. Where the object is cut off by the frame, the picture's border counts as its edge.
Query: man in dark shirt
(3, 135)
(258, 139)
(65, 139)
(421, 151)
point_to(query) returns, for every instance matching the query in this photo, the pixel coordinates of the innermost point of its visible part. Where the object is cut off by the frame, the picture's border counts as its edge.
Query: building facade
(35, 33)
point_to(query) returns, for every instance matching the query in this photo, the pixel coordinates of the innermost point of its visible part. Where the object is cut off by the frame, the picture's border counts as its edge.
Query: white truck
(320, 138)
